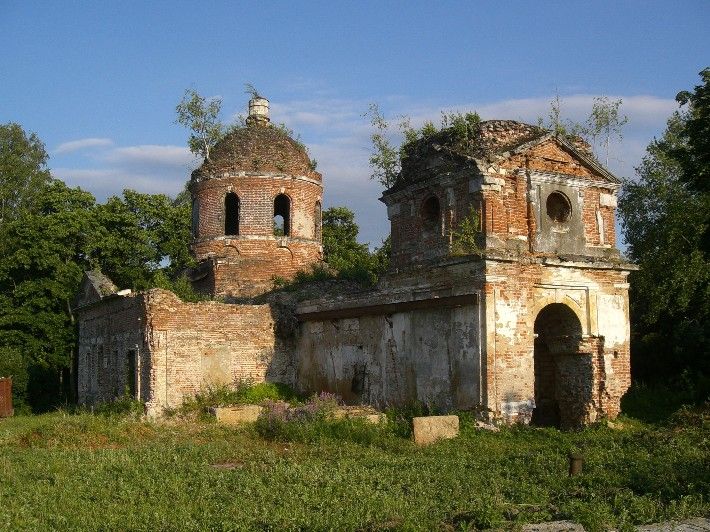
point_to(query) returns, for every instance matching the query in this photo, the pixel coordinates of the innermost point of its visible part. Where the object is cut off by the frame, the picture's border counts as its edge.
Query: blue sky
(99, 81)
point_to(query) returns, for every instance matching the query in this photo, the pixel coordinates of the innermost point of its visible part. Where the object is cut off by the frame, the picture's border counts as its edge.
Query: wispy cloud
(82, 144)
(106, 170)
(105, 182)
(150, 154)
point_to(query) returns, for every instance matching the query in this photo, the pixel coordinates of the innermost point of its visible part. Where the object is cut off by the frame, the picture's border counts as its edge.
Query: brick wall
(245, 264)
(110, 333)
(515, 294)
(499, 192)
(194, 345)
(256, 193)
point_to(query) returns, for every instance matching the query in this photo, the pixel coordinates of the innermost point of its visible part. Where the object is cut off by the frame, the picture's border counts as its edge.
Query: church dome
(257, 148)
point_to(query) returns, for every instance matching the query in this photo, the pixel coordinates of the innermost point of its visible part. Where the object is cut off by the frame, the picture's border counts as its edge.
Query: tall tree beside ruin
(23, 169)
(139, 235)
(694, 155)
(665, 216)
(43, 254)
(201, 116)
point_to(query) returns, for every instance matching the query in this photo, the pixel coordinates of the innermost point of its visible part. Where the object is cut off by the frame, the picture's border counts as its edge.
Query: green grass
(90, 472)
(225, 395)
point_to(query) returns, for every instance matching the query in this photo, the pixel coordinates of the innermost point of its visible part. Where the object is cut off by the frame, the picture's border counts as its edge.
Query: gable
(554, 155)
(94, 286)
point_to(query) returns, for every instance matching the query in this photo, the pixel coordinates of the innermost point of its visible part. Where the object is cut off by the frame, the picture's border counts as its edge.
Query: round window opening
(558, 207)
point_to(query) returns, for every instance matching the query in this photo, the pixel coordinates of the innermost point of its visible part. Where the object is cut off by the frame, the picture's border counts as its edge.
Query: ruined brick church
(530, 324)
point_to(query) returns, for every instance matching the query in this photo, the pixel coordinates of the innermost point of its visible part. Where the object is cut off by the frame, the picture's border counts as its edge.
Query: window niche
(231, 214)
(431, 214)
(282, 215)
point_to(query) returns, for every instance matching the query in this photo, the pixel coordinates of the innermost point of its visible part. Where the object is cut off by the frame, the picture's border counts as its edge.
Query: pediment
(555, 155)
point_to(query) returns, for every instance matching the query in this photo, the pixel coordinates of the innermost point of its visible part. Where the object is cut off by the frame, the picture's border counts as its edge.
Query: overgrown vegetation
(88, 472)
(457, 129)
(603, 126)
(665, 214)
(244, 392)
(346, 258)
(465, 239)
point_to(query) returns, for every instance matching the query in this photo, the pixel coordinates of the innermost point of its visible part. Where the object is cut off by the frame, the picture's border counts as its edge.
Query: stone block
(237, 415)
(354, 412)
(430, 429)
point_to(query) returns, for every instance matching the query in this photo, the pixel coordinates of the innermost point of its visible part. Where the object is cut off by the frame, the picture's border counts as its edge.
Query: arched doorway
(558, 333)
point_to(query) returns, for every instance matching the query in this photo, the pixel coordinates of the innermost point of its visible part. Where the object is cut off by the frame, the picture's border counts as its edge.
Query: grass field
(111, 472)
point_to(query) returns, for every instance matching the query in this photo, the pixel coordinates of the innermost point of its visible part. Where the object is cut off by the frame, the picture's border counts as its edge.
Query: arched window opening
(318, 221)
(231, 214)
(195, 218)
(558, 207)
(431, 213)
(282, 215)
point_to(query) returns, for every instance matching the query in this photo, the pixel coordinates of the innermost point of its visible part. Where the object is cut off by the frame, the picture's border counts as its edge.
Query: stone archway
(558, 366)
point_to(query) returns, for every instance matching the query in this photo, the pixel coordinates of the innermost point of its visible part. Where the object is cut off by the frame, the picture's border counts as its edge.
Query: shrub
(313, 421)
(244, 392)
(126, 405)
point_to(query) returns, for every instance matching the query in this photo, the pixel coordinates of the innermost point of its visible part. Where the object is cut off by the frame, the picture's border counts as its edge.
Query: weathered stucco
(394, 359)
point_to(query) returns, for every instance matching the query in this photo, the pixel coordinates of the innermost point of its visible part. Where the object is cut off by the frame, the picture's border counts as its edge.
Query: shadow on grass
(657, 402)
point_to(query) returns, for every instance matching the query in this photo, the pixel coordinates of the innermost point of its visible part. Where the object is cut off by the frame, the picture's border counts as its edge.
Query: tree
(345, 254)
(694, 154)
(605, 123)
(49, 236)
(201, 116)
(664, 220)
(139, 235)
(43, 254)
(23, 169)
(341, 250)
(385, 158)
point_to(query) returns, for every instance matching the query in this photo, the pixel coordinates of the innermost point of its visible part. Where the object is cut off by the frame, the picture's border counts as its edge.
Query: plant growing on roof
(605, 122)
(386, 160)
(250, 89)
(201, 116)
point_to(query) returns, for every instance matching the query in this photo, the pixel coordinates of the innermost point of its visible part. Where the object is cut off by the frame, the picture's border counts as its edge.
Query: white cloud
(150, 154)
(82, 144)
(103, 182)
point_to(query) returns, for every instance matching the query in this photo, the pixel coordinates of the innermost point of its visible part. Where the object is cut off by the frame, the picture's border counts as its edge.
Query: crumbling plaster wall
(515, 294)
(430, 355)
(195, 345)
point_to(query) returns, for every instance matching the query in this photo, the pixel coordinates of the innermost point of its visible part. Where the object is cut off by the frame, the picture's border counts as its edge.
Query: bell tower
(256, 209)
